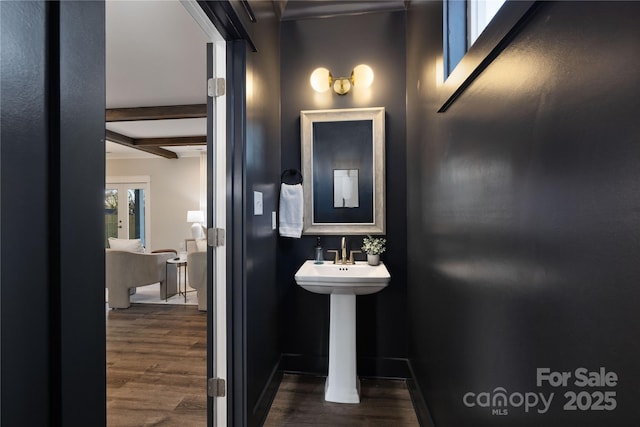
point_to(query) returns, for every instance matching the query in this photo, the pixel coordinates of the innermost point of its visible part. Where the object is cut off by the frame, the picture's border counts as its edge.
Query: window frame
(509, 20)
(476, 8)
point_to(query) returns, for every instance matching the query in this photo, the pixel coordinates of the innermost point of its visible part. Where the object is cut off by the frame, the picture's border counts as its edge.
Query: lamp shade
(320, 79)
(195, 216)
(362, 76)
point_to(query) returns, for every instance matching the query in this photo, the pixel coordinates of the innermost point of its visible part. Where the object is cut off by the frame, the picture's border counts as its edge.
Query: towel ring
(291, 177)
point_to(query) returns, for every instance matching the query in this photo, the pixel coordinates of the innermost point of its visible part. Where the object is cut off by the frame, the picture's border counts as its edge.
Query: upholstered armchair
(197, 271)
(127, 270)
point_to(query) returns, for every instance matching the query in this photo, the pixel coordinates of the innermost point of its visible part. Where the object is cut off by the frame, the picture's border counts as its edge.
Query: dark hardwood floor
(300, 402)
(156, 366)
(156, 376)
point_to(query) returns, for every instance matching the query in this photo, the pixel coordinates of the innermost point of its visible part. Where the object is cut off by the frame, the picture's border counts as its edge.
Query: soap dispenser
(319, 259)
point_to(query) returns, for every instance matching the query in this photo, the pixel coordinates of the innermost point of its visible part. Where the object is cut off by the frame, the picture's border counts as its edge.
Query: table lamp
(197, 218)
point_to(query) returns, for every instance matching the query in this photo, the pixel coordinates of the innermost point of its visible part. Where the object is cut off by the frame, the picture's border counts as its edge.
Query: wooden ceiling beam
(130, 142)
(176, 141)
(193, 111)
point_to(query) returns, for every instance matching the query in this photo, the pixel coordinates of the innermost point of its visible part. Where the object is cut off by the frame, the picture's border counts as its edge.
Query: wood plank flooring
(156, 376)
(300, 402)
(156, 366)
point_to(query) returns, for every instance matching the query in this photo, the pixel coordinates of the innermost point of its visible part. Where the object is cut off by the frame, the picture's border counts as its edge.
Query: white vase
(373, 259)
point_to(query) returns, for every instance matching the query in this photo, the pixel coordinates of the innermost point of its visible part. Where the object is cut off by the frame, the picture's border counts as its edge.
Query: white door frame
(218, 299)
(220, 221)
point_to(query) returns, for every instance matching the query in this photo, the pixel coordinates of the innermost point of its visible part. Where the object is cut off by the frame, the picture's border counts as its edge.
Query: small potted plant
(373, 247)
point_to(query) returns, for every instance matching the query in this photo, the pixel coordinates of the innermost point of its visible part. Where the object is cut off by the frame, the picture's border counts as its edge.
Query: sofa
(197, 272)
(127, 270)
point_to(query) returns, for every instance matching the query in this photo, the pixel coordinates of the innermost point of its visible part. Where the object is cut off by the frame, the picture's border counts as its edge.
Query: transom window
(464, 21)
(479, 14)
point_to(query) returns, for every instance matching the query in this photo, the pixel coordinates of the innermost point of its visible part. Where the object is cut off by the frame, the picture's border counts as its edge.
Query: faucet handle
(351, 261)
(335, 261)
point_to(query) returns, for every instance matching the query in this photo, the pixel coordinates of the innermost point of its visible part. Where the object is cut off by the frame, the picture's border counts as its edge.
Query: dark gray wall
(52, 178)
(340, 44)
(523, 209)
(24, 145)
(256, 160)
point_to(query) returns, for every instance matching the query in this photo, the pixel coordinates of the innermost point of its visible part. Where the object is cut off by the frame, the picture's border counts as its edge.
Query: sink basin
(352, 279)
(342, 283)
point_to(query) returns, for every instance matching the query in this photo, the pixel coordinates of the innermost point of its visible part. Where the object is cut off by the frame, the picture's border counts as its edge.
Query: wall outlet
(257, 203)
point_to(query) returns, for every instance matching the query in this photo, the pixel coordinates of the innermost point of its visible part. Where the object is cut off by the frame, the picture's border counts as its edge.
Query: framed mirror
(343, 167)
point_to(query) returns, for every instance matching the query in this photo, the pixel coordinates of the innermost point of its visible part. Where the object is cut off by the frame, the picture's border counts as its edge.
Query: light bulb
(320, 79)
(362, 76)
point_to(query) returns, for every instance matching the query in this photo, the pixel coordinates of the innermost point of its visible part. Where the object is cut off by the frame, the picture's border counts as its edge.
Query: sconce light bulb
(321, 79)
(362, 76)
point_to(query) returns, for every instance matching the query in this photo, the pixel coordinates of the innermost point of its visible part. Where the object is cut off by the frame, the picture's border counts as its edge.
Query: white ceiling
(155, 56)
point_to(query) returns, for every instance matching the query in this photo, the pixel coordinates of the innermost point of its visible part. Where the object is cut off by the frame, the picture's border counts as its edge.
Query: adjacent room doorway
(126, 209)
(132, 132)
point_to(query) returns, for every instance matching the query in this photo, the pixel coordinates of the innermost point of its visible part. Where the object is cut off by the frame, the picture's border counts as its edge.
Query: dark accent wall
(523, 207)
(236, 107)
(339, 44)
(52, 184)
(255, 166)
(24, 144)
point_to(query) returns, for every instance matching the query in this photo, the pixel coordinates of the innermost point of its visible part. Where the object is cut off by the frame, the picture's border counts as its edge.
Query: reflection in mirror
(343, 166)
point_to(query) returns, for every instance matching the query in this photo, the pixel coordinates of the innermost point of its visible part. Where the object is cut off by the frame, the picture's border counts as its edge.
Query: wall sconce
(321, 79)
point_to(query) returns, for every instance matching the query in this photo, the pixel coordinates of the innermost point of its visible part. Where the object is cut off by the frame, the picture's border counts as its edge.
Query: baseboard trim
(368, 367)
(383, 367)
(268, 394)
(419, 404)
(304, 365)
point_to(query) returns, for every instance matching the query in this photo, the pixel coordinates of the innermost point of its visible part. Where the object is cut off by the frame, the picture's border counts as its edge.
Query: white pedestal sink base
(342, 383)
(343, 282)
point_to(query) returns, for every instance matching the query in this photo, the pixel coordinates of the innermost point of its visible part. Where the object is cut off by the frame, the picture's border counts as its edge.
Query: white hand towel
(291, 210)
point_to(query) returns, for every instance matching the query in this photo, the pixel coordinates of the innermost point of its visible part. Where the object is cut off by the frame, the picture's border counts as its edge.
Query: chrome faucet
(344, 250)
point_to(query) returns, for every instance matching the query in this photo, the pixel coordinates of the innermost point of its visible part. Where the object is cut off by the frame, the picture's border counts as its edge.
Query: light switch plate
(257, 203)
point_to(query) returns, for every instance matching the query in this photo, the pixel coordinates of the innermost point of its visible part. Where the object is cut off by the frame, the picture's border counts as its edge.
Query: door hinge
(216, 87)
(216, 387)
(215, 237)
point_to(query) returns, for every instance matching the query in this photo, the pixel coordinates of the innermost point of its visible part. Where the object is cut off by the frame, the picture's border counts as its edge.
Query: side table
(180, 264)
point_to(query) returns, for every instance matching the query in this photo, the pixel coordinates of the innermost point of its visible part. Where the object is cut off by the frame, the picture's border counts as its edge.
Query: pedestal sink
(342, 282)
